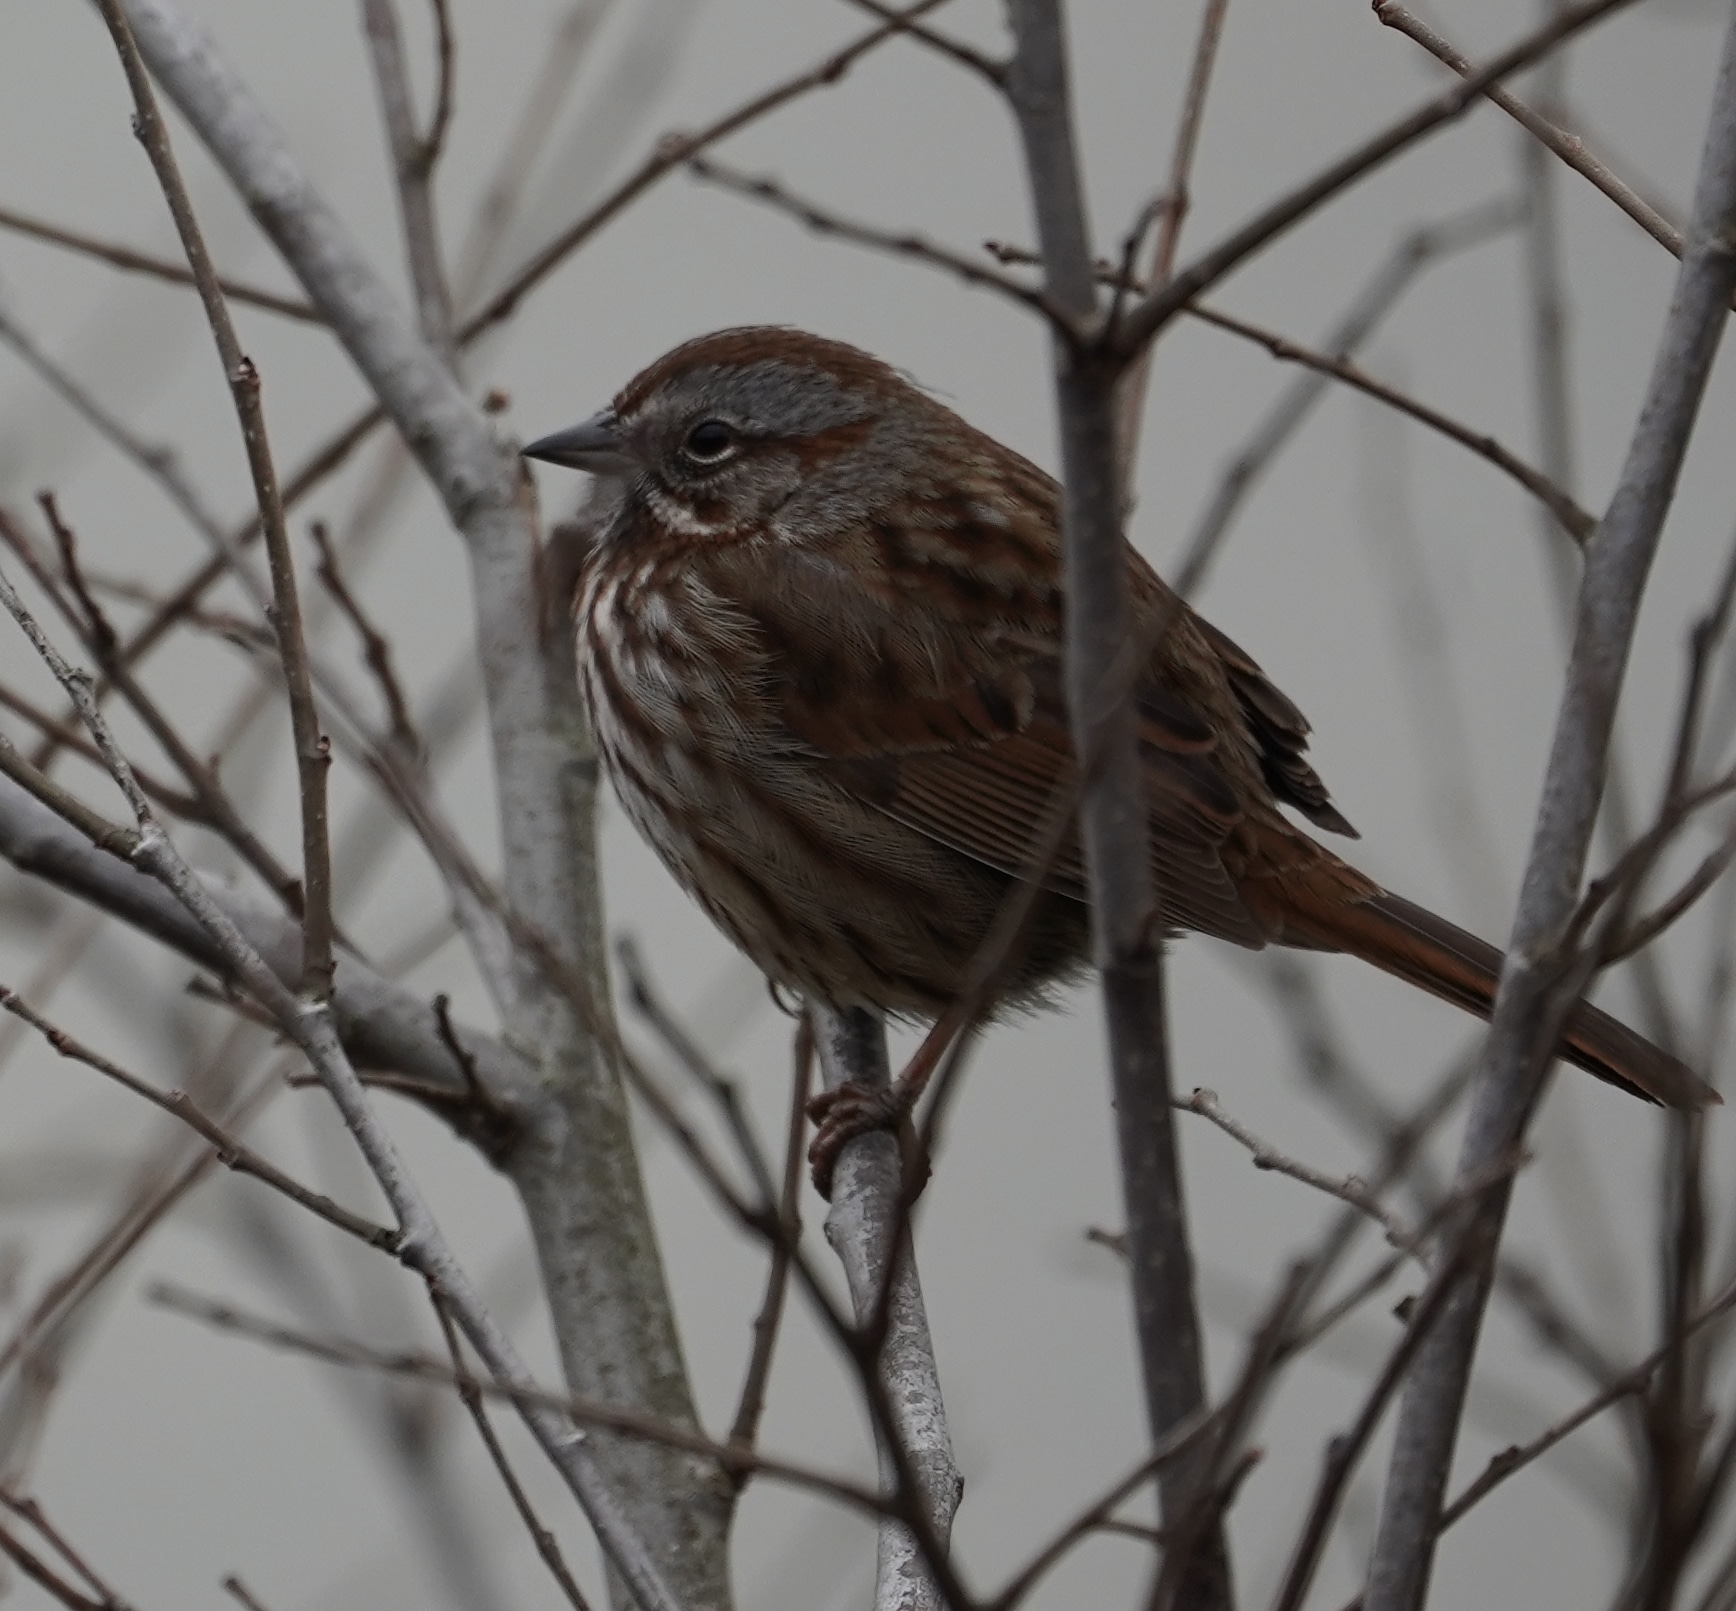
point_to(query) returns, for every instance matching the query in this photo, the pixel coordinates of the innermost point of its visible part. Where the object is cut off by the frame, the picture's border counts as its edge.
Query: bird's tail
(1402, 938)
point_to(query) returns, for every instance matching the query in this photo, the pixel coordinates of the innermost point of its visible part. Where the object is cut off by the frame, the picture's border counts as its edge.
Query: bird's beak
(595, 445)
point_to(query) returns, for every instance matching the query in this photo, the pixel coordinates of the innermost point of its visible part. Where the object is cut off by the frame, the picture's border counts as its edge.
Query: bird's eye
(709, 442)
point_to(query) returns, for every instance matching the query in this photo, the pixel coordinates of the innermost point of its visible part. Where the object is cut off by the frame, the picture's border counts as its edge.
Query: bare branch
(1416, 251)
(240, 1593)
(1534, 996)
(161, 268)
(866, 1228)
(383, 1025)
(1568, 146)
(446, 78)
(916, 247)
(312, 757)
(670, 153)
(1113, 815)
(186, 806)
(1510, 1461)
(157, 460)
(1350, 1189)
(985, 67)
(413, 161)
(31, 1511)
(425, 1368)
(1171, 210)
(1578, 522)
(375, 649)
(1623, 943)
(470, 1395)
(216, 809)
(45, 1577)
(1345, 1450)
(1167, 300)
(744, 1428)
(232, 1153)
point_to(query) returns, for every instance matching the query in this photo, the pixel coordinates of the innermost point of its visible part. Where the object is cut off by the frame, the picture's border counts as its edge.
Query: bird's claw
(846, 1112)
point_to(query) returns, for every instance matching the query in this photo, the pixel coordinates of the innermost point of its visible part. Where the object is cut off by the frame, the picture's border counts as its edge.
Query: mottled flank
(821, 643)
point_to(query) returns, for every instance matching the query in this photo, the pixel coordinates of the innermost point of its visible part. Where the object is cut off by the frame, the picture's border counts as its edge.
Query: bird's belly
(827, 895)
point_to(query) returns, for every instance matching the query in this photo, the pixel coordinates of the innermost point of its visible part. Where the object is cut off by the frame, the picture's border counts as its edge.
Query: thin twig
(417, 1366)
(1620, 944)
(1568, 146)
(744, 1429)
(325, 461)
(31, 1511)
(1164, 303)
(157, 460)
(238, 1591)
(645, 1000)
(985, 67)
(1578, 522)
(311, 754)
(162, 1183)
(1171, 211)
(186, 806)
(1345, 1450)
(93, 825)
(231, 1151)
(445, 85)
(161, 268)
(1510, 1461)
(1417, 250)
(413, 156)
(87, 619)
(823, 221)
(45, 1577)
(376, 650)
(670, 153)
(470, 1395)
(1096, 1516)
(1351, 1189)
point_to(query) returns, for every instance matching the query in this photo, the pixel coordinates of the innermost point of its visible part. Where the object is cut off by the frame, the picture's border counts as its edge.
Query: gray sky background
(175, 1454)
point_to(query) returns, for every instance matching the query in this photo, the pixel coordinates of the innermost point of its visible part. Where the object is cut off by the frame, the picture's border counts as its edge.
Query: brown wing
(936, 699)
(1281, 731)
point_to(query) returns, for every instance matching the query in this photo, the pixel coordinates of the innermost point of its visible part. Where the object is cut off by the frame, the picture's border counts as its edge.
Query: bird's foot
(851, 1110)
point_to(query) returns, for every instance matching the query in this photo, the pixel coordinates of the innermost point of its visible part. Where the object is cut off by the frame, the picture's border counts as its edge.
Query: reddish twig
(376, 650)
(744, 1429)
(1570, 147)
(1164, 303)
(230, 1151)
(125, 257)
(470, 1396)
(1579, 523)
(311, 753)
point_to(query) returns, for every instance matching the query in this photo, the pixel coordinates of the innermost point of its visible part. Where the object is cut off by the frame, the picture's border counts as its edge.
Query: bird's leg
(850, 1110)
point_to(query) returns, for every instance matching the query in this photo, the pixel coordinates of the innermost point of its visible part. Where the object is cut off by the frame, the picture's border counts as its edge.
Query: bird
(820, 641)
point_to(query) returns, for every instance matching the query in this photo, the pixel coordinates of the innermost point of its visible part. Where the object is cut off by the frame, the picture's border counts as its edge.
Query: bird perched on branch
(821, 643)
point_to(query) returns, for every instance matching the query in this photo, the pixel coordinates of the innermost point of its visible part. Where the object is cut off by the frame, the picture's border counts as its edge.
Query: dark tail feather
(1402, 938)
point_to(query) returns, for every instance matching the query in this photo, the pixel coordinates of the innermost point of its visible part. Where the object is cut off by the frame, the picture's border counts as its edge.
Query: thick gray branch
(580, 1183)
(1534, 996)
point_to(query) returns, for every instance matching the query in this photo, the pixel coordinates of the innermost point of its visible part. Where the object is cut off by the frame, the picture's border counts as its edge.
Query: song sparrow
(821, 645)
